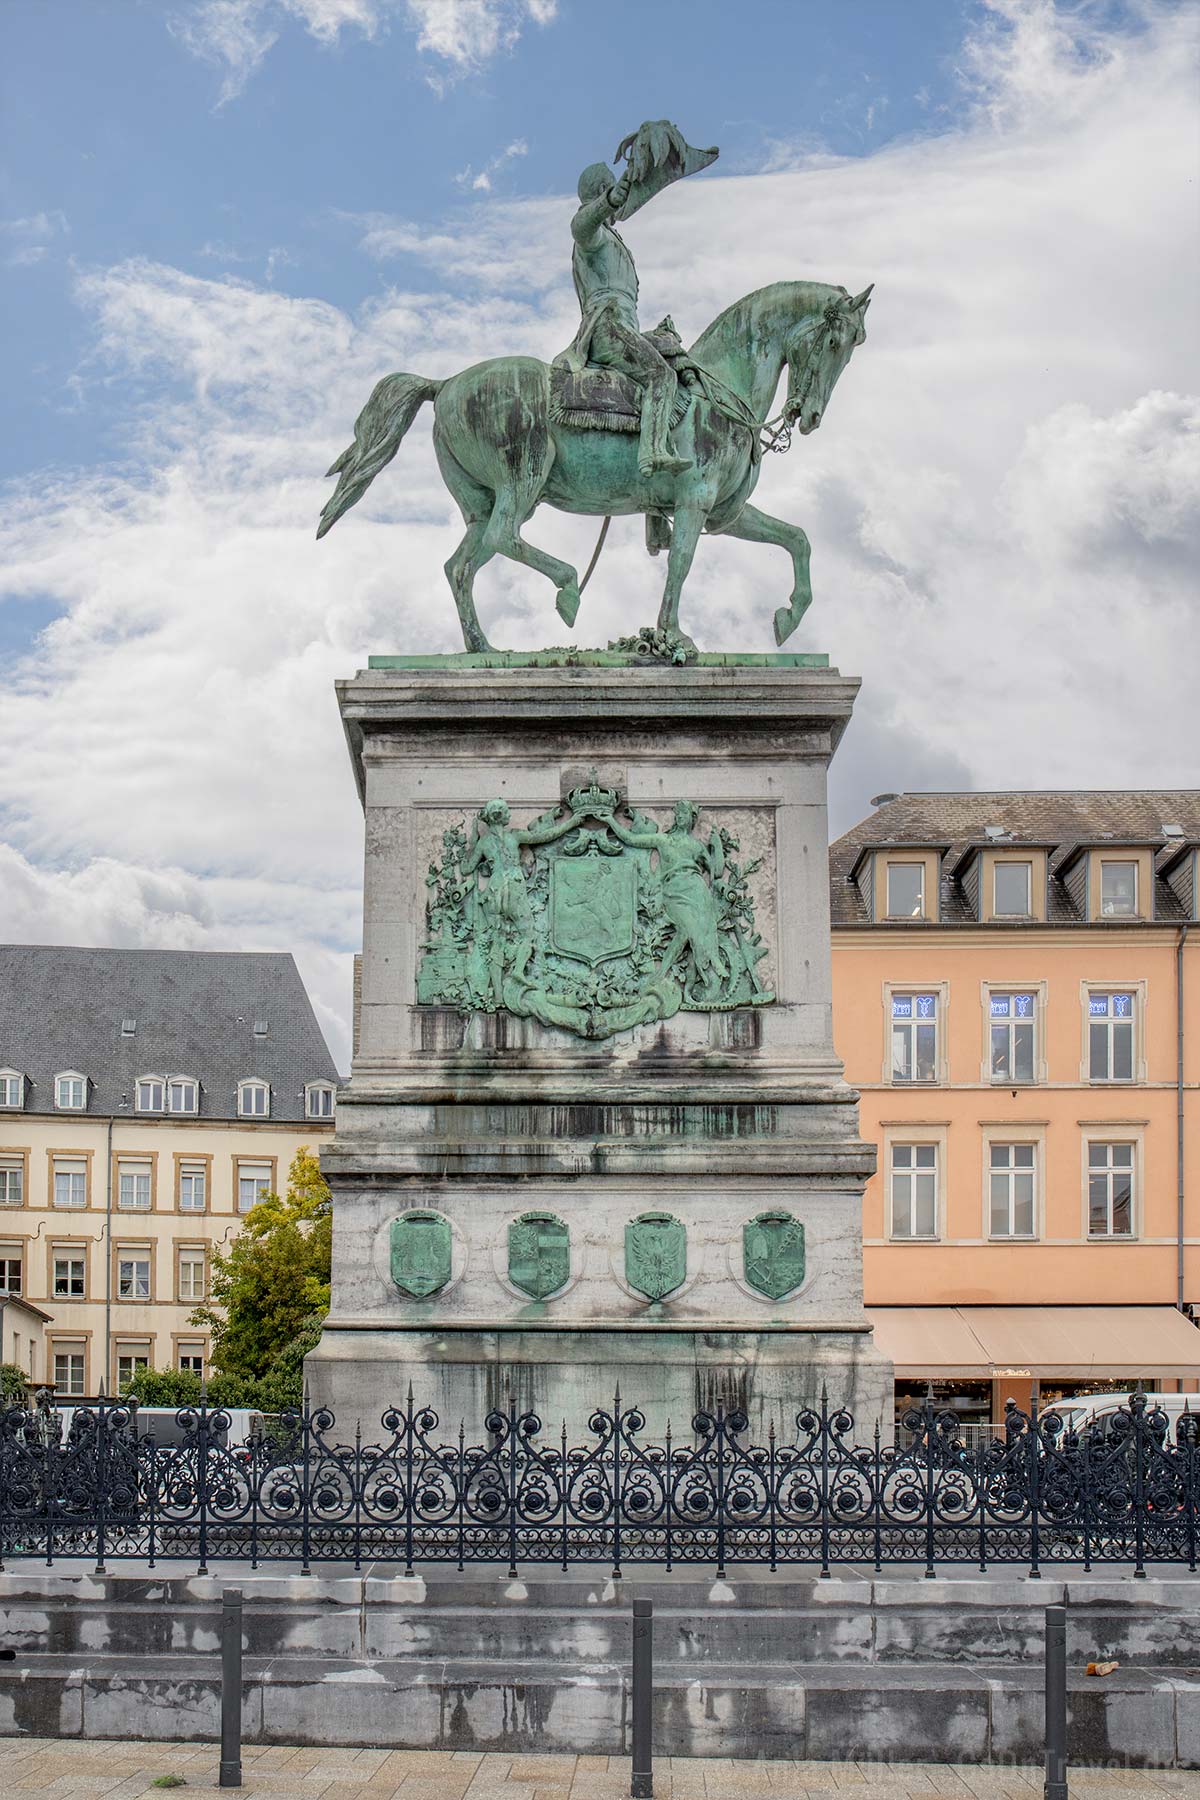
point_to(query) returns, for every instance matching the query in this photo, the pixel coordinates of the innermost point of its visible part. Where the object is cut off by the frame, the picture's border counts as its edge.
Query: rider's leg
(617, 346)
(760, 528)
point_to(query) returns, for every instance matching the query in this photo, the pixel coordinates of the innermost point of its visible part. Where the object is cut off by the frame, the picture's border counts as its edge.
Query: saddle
(597, 399)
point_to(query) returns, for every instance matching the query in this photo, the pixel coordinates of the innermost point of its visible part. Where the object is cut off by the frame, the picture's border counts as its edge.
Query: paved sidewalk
(75, 1769)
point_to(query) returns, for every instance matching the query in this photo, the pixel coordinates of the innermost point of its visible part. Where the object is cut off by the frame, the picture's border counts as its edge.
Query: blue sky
(222, 220)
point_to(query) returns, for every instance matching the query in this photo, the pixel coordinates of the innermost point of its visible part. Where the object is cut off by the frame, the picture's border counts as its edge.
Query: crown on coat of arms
(593, 798)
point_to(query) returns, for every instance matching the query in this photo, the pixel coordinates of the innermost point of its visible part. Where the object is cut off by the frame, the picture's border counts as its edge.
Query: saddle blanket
(600, 399)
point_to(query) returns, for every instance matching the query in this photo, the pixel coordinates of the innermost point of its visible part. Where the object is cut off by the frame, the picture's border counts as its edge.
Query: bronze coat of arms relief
(773, 1258)
(421, 1253)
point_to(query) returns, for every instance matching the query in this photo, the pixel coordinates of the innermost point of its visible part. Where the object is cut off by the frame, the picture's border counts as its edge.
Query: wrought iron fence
(1033, 1494)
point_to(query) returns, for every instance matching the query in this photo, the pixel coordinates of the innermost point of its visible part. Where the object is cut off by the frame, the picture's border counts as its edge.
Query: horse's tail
(378, 431)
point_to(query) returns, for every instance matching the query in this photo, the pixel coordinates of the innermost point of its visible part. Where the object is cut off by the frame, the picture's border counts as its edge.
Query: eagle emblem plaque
(655, 1254)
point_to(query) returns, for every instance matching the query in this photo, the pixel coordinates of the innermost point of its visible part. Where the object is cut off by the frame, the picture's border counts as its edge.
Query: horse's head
(816, 355)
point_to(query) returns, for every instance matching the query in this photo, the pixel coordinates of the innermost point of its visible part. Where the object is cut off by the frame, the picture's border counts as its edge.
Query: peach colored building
(1016, 984)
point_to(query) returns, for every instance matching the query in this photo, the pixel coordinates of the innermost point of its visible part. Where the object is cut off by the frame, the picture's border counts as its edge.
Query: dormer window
(1118, 890)
(318, 1100)
(254, 1100)
(151, 1094)
(12, 1088)
(182, 1094)
(70, 1091)
(906, 890)
(1013, 891)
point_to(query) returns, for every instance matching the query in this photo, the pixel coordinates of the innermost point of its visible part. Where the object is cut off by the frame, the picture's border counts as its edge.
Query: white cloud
(236, 35)
(29, 239)
(1000, 502)
(479, 181)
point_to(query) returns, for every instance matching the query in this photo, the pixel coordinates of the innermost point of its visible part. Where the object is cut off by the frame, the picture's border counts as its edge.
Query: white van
(1096, 1412)
(160, 1423)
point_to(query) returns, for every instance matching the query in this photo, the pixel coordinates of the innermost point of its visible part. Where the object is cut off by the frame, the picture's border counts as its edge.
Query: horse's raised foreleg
(502, 537)
(685, 535)
(760, 528)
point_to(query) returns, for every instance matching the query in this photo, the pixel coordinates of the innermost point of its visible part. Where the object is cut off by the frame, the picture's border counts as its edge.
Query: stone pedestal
(713, 1117)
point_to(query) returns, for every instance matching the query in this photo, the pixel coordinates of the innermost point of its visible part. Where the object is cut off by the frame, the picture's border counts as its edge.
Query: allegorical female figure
(688, 899)
(505, 900)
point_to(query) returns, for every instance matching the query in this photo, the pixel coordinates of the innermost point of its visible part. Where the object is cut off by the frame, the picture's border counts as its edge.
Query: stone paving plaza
(123, 1771)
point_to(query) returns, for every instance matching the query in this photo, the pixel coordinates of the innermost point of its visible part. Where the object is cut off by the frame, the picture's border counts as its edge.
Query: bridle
(776, 433)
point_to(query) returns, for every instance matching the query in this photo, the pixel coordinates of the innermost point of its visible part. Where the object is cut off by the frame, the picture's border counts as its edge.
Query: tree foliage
(14, 1383)
(270, 1293)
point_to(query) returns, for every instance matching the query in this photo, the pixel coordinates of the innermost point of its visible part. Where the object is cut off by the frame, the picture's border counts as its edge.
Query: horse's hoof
(566, 603)
(785, 624)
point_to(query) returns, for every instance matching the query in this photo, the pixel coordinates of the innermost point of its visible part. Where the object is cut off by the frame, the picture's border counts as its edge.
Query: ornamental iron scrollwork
(118, 1487)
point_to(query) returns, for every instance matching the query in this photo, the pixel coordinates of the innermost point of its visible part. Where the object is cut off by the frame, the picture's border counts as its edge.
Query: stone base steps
(918, 1712)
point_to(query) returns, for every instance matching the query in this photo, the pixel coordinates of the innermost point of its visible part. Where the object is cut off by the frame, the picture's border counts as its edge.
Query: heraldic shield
(593, 906)
(655, 1254)
(420, 1253)
(539, 1254)
(773, 1253)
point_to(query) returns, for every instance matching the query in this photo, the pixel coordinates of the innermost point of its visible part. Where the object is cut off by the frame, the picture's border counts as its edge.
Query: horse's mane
(739, 321)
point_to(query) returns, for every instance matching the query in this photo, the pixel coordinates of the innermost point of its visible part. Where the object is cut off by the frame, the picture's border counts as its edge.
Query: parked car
(1096, 1413)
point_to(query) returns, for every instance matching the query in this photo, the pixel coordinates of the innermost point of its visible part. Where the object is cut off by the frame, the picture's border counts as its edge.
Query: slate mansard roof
(1061, 823)
(194, 1013)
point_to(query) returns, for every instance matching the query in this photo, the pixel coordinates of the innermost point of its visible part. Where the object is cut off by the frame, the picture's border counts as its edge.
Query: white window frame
(191, 1256)
(12, 1253)
(253, 1084)
(68, 1254)
(1138, 990)
(69, 1167)
(175, 1085)
(900, 990)
(73, 1076)
(924, 1135)
(131, 1257)
(69, 1352)
(319, 1089)
(139, 1358)
(1124, 862)
(194, 1349)
(7, 1078)
(1039, 991)
(1012, 862)
(190, 1172)
(145, 1081)
(1100, 1133)
(264, 1187)
(133, 1169)
(904, 862)
(12, 1163)
(1013, 1139)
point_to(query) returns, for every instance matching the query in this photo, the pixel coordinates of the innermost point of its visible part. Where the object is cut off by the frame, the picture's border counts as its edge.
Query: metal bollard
(642, 1785)
(231, 1689)
(1056, 1703)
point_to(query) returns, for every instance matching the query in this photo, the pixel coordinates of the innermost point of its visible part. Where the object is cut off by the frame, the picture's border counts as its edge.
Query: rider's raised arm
(594, 214)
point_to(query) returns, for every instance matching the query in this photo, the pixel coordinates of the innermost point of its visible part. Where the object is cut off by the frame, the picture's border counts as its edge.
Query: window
(1110, 1190)
(1012, 1192)
(1111, 1018)
(906, 890)
(10, 1271)
(254, 1180)
(914, 1037)
(69, 1275)
(191, 1359)
(12, 1088)
(318, 1100)
(133, 1186)
(193, 1187)
(68, 1372)
(12, 1181)
(914, 1190)
(133, 1276)
(151, 1093)
(1013, 1017)
(70, 1182)
(1118, 890)
(1013, 890)
(182, 1093)
(254, 1099)
(70, 1092)
(128, 1364)
(191, 1274)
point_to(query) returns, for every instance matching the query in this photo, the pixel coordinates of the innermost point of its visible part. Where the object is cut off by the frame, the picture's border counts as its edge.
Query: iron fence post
(1056, 1703)
(642, 1784)
(230, 1775)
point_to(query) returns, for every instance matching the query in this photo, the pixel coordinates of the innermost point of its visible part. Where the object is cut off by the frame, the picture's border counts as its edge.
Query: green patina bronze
(773, 1254)
(420, 1253)
(539, 1254)
(602, 659)
(623, 421)
(588, 920)
(655, 1254)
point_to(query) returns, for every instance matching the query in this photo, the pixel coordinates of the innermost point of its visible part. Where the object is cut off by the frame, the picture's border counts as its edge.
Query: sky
(222, 220)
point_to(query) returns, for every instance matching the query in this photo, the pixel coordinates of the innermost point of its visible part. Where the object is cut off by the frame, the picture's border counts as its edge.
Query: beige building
(1017, 1000)
(147, 1099)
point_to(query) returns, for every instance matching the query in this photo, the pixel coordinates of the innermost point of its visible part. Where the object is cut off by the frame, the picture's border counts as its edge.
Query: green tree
(270, 1293)
(14, 1384)
(162, 1387)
